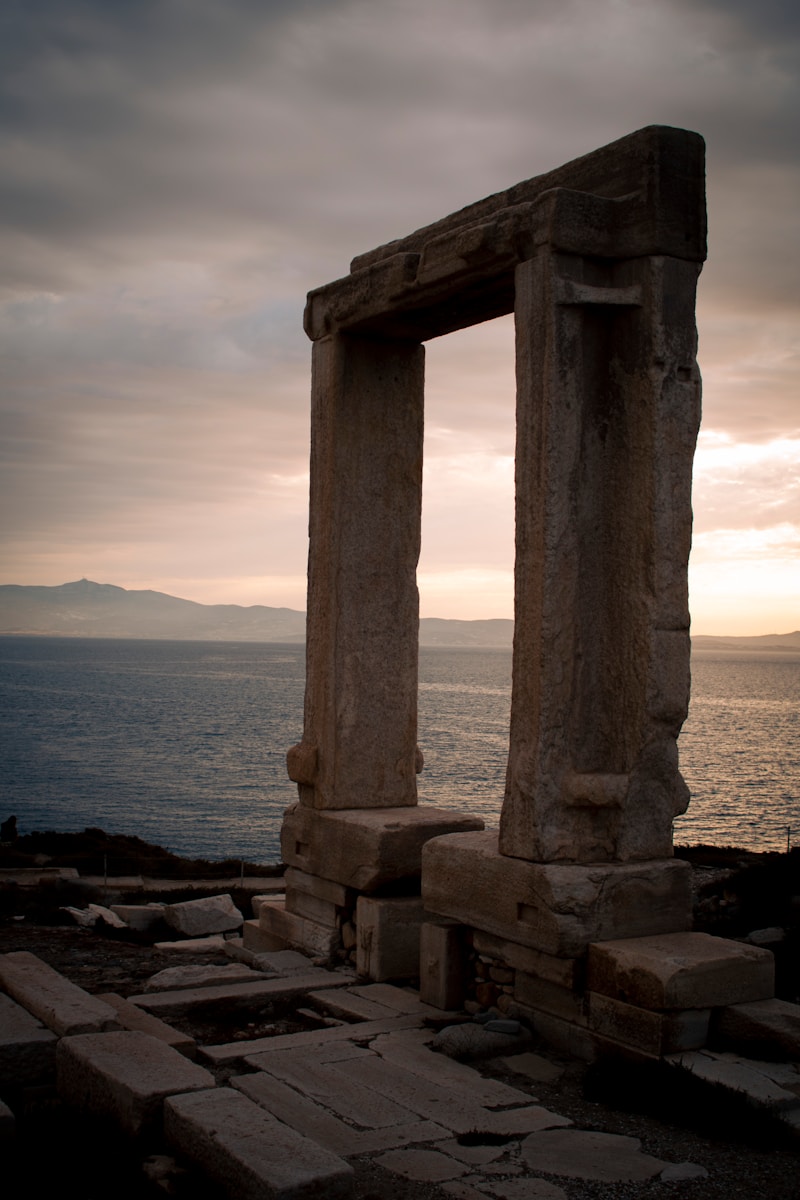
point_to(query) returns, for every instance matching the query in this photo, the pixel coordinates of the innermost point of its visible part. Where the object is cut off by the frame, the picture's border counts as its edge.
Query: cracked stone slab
(755, 1080)
(423, 1166)
(525, 1189)
(314, 1121)
(249, 1153)
(585, 1154)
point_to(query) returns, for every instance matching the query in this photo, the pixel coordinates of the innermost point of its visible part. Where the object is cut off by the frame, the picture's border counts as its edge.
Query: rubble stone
(210, 914)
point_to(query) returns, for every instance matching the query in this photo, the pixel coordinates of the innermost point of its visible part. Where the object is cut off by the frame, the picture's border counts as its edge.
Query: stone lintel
(467, 276)
(661, 164)
(552, 907)
(365, 849)
(680, 971)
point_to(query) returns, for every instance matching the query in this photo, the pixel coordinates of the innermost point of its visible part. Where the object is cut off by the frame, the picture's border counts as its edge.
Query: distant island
(102, 610)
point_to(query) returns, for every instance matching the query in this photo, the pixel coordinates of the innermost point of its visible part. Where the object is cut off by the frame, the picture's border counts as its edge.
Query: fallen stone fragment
(471, 1041)
(210, 914)
(81, 916)
(125, 1077)
(503, 1026)
(677, 1172)
(27, 1049)
(101, 913)
(766, 937)
(176, 978)
(584, 1154)
(62, 1006)
(195, 945)
(140, 917)
(249, 1153)
(423, 1166)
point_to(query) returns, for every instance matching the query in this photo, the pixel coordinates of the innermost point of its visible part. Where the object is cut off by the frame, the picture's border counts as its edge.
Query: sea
(183, 743)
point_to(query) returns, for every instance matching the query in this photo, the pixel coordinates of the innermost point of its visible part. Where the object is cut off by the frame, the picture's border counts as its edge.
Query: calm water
(183, 743)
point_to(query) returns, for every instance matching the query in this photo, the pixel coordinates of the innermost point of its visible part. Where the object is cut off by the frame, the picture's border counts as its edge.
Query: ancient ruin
(598, 260)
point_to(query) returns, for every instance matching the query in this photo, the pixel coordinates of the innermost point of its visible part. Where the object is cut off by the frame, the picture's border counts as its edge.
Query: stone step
(124, 1077)
(60, 1005)
(249, 1153)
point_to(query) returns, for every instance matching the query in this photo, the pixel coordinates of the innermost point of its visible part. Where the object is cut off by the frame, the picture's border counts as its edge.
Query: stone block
(567, 1037)
(548, 997)
(124, 1077)
(654, 1033)
(59, 1004)
(134, 1018)
(388, 937)
(311, 908)
(290, 930)
(248, 1152)
(761, 1029)
(322, 889)
(442, 964)
(258, 940)
(680, 970)
(140, 917)
(257, 901)
(566, 972)
(553, 907)
(27, 1049)
(364, 849)
(210, 914)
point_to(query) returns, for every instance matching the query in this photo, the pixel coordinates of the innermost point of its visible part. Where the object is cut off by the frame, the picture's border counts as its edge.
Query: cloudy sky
(179, 173)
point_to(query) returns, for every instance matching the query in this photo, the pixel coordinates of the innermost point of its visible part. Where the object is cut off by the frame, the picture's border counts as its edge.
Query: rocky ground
(746, 1156)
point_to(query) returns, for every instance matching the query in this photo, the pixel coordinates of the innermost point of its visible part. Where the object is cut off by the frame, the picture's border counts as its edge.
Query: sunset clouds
(179, 173)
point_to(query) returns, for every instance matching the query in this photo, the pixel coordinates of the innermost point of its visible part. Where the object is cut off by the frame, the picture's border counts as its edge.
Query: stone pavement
(302, 1111)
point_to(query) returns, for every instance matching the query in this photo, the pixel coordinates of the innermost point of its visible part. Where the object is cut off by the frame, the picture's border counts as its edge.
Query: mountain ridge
(83, 608)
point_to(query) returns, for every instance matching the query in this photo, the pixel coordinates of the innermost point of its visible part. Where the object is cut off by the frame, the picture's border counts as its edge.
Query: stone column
(607, 417)
(360, 729)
